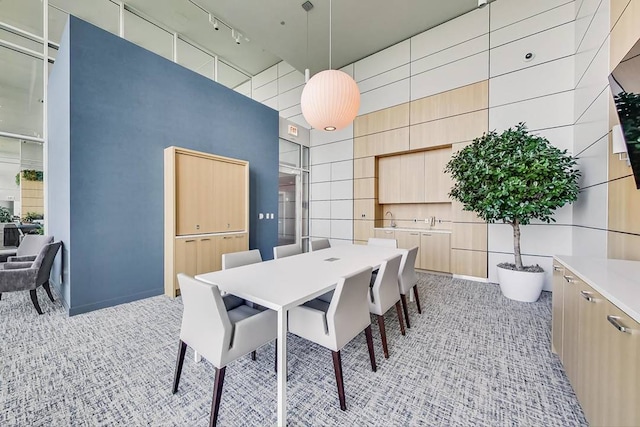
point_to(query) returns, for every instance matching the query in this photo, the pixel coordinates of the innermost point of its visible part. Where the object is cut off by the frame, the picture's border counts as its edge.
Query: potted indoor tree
(514, 177)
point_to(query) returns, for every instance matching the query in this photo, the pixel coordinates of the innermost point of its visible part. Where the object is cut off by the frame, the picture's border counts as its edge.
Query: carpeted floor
(473, 358)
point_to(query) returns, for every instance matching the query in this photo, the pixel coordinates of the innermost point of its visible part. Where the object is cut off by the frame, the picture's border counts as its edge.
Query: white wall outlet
(260, 216)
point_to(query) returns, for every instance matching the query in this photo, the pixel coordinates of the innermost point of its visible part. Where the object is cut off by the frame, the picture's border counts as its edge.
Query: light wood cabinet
(384, 234)
(599, 346)
(206, 198)
(435, 251)
(388, 179)
(436, 183)
(410, 187)
(408, 240)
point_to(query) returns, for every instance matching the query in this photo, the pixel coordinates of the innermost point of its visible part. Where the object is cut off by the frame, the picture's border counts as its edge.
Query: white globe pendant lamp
(331, 98)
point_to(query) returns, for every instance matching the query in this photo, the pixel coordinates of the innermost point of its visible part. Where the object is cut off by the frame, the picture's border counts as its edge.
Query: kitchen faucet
(393, 223)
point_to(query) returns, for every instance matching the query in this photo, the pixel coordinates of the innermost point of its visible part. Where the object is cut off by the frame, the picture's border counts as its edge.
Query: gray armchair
(28, 249)
(27, 276)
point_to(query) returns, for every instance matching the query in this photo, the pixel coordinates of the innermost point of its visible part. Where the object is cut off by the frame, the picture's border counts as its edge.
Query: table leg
(282, 367)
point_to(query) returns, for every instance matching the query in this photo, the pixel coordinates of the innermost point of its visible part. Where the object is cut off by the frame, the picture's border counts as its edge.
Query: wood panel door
(411, 180)
(437, 184)
(186, 257)
(408, 240)
(194, 195)
(229, 207)
(207, 255)
(389, 180)
(557, 308)
(435, 252)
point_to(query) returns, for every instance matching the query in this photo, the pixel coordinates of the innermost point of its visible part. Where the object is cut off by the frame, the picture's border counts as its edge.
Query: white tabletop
(291, 281)
(617, 280)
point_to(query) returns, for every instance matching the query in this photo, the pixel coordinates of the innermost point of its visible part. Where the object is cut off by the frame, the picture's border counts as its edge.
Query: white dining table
(288, 282)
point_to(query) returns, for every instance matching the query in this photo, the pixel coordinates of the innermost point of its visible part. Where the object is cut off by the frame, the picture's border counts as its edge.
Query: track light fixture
(214, 21)
(236, 36)
(482, 3)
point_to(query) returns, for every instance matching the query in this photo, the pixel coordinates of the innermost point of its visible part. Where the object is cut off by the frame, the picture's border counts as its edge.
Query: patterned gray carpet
(473, 358)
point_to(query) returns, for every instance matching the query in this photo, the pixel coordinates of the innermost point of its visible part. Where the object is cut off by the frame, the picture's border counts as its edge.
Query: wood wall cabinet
(435, 251)
(206, 212)
(599, 345)
(414, 177)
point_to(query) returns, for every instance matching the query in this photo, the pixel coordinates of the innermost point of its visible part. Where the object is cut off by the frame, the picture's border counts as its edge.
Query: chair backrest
(206, 327)
(385, 289)
(286, 250)
(45, 259)
(376, 241)
(407, 277)
(238, 259)
(32, 243)
(316, 245)
(348, 312)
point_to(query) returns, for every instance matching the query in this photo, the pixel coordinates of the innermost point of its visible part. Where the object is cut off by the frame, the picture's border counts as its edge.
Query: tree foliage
(513, 177)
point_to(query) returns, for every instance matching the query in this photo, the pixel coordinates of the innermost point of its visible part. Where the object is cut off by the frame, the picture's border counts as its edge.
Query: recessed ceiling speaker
(482, 3)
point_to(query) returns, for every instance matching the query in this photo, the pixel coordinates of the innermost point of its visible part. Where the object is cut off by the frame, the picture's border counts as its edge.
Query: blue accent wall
(126, 106)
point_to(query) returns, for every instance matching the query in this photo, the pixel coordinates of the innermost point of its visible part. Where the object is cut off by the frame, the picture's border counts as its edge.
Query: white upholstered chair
(376, 241)
(332, 325)
(286, 250)
(218, 334)
(385, 294)
(316, 245)
(408, 280)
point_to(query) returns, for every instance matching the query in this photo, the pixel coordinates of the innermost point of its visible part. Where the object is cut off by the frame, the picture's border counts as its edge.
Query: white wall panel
(532, 24)
(588, 47)
(545, 262)
(266, 91)
(320, 209)
(349, 69)
(342, 209)
(452, 54)
(284, 68)
(342, 190)
(321, 173)
(544, 240)
(320, 191)
(290, 81)
(244, 88)
(290, 98)
(341, 229)
(386, 78)
(546, 46)
(506, 12)
(594, 81)
(334, 152)
(589, 242)
(271, 102)
(320, 228)
(384, 97)
(320, 137)
(585, 11)
(591, 208)
(380, 62)
(299, 120)
(594, 163)
(543, 79)
(593, 124)
(267, 76)
(451, 33)
(561, 137)
(460, 73)
(291, 111)
(539, 113)
(342, 170)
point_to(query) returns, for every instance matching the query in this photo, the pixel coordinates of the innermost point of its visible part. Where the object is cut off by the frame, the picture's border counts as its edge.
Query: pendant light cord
(330, 1)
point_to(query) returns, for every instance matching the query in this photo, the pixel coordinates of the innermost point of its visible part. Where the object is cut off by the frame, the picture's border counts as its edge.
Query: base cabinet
(408, 240)
(435, 252)
(599, 346)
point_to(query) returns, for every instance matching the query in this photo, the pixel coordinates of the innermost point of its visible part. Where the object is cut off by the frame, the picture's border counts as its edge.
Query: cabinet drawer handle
(414, 234)
(426, 234)
(189, 241)
(614, 320)
(239, 237)
(226, 237)
(569, 279)
(204, 240)
(588, 296)
(557, 268)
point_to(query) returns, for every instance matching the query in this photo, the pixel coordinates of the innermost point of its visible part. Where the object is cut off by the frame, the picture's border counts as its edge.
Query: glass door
(293, 195)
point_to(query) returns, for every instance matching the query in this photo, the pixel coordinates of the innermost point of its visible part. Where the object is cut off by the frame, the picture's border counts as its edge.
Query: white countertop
(617, 280)
(419, 230)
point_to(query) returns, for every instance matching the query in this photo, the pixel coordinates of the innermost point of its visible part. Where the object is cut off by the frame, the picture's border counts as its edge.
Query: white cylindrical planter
(520, 285)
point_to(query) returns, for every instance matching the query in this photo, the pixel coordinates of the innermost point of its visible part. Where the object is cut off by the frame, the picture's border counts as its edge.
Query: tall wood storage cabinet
(206, 212)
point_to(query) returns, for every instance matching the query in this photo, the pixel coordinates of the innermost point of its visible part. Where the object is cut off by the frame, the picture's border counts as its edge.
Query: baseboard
(472, 278)
(73, 311)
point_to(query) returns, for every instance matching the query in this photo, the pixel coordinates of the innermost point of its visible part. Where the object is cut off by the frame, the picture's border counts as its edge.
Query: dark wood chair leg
(400, 319)
(253, 355)
(337, 367)
(47, 288)
(34, 300)
(372, 355)
(0, 296)
(217, 396)
(182, 349)
(403, 298)
(383, 336)
(415, 293)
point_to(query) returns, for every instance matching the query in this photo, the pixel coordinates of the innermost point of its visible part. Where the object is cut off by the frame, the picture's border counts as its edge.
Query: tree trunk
(516, 244)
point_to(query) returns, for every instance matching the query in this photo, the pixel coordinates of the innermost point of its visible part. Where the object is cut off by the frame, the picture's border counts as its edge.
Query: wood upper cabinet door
(411, 181)
(389, 180)
(621, 377)
(229, 205)
(437, 184)
(408, 240)
(557, 309)
(194, 194)
(570, 358)
(435, 251)
(186, 257)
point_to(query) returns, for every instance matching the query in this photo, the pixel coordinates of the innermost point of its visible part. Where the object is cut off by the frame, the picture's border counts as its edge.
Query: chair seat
(240, 313)
(318, 304)
(232, 301)
(326, 297)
